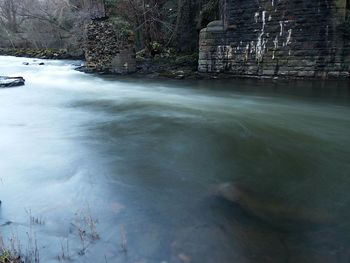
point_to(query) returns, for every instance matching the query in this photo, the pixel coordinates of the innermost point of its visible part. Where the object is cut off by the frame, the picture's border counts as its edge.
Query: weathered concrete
(291, 38)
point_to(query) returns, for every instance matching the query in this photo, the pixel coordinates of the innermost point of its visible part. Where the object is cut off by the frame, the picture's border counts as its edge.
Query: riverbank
(7, 257)
(48, 53)
(175, 66)
(183, 66)
(180, 66)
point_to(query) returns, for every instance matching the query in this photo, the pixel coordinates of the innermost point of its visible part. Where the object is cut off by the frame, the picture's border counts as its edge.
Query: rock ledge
(7, 82)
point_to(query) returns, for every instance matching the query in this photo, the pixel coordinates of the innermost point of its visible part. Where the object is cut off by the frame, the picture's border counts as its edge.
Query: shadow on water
(149, 156)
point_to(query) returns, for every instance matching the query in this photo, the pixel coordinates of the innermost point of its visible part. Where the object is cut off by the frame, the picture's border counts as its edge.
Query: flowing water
(144, 158)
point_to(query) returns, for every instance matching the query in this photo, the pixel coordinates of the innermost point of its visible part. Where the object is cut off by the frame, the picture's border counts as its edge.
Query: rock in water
(4, 223)
(7, 82)
(267, 208)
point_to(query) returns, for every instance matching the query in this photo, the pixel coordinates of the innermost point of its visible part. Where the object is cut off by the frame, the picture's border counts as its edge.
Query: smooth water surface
(145, 157)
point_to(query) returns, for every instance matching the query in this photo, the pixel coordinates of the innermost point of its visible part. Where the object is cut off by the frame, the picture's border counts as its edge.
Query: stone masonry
(290, 38)
(106, 50)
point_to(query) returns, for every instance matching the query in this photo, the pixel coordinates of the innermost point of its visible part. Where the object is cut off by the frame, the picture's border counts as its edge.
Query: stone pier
(106, 49)
(290, 38)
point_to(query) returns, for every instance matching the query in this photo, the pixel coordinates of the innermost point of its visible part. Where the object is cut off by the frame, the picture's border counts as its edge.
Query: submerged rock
(7, 82)
(267, 208)
(184, 258)
(5, 223)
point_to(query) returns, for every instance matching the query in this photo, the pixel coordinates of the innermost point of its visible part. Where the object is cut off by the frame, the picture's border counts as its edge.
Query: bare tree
(9, 17)
(47, 23)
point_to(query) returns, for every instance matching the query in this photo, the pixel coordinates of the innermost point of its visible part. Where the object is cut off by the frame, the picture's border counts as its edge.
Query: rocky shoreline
(190, 74)
(175, 67)
(182, 67)
(48, 53)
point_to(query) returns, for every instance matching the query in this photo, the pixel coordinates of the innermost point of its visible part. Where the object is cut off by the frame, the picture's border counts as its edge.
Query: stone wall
(107, 50)
(292, 38)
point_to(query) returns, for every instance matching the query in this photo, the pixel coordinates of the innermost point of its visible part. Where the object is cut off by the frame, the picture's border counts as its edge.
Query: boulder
(4, 223)
(265, 207)
(6, 82)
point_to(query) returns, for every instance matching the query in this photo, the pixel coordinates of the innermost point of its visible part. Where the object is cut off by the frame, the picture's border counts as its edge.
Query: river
(120, 169)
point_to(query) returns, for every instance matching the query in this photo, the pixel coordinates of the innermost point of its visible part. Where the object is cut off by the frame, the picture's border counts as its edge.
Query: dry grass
(11, 252)
(124, 242)
(7, 257)
(84, 226)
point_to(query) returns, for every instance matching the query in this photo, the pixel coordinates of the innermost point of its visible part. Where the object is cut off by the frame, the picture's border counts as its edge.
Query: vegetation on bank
(7, 257)
(58, 24)
(48, 53)
(11, 252)
(83, 230)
